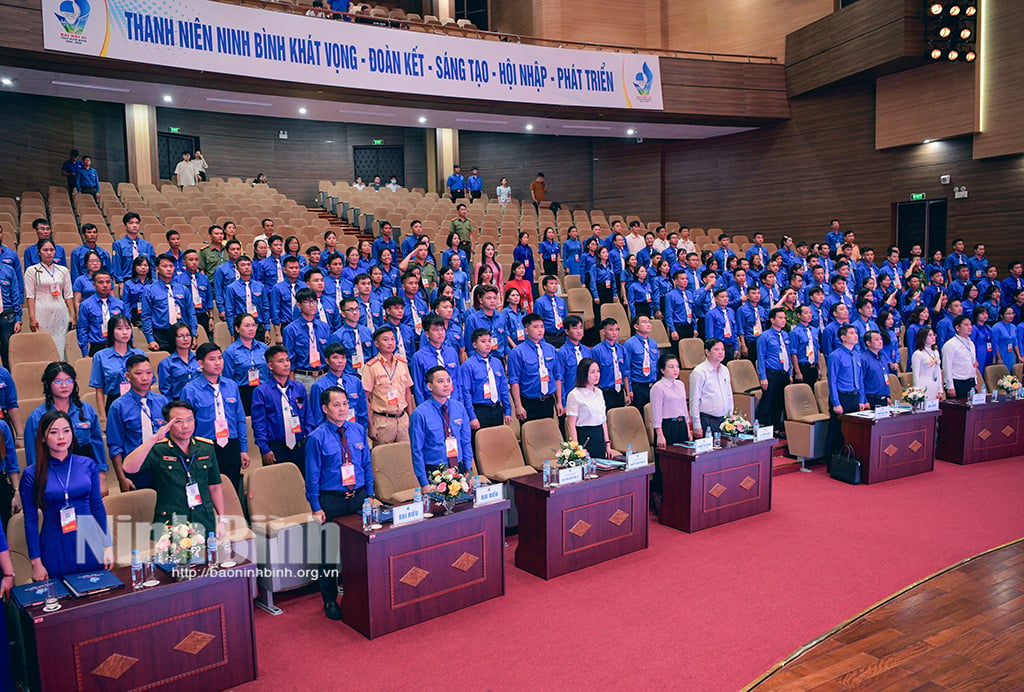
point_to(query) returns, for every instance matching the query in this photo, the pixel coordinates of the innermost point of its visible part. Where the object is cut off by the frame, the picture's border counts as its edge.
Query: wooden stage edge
(765, 680)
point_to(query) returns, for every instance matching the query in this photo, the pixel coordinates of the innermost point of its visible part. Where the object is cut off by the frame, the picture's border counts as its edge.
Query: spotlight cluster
(951, 30)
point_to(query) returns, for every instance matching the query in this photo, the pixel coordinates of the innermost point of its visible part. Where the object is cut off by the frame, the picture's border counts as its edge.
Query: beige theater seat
(616, 311)
(541, 441)
(806, 425)
(746, 387)
(29, 347)
(284, 525)
(626, 427)
(19, 548)
(992, 375)
(130, 515)
(394, 480)
(498, 455)
(691, 353)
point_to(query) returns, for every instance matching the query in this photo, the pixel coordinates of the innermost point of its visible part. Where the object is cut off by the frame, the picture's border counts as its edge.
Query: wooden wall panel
(39, 131)
(793, 177)
(627, 178)
(937, 101)
(740, 26)
(565, 161)
(867, 35)
(1001, 54)
(244, 145)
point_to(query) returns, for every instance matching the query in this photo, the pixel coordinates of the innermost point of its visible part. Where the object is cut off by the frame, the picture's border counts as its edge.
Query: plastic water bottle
(417, 496)
(211, 548)
(476, 482)
(984, 390)
(707, 432)
(136, 570)
(757, 427)
(629, 451)
(547, 473)
(718, 439)
(366, 514)
(970, 398)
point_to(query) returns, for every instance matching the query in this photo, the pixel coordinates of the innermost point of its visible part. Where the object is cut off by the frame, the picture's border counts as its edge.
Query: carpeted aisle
(708, 611)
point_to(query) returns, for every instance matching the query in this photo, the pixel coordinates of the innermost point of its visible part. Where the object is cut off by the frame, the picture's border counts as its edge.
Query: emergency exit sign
(378, 142)
(916, 196)
(175, 130)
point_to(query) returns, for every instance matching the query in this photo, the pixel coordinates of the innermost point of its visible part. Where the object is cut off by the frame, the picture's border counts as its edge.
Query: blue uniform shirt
(572, 252)
(124, 421)
(268, 414)
(205, 303)
(800, 337)
(494, 323)
(239, 361)
(524, 369)
(353, 386)
(223, 276)
(296, 341)
(773, 352)
(108, 369)
(380, 244)
(720, 323)
(121, 259)
(876, 373)
(428, 432)
(32, 256)
(845, 374)
(569, 357)
(266, 270)
(678, 308)
(10, 289)
(9, 258)
(324, 458)
(199, 393)
(427, 357)
(547, 307)
(85, 425)
(234, 302)
(606, 355)
(174, 374)
(473, 380)
(751, 320)
(348, 336)
(456, 182)
(156, 307)
(474, 183)
(77, 261)
(633, 355)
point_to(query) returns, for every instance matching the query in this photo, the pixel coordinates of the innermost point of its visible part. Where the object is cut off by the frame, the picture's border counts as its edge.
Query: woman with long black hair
(60, 388)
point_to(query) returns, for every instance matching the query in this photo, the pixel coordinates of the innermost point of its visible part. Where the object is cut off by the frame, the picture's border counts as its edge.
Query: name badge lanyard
(55, 288)
(392, 392)
(65, 484)
(192, 496)
(68, 520)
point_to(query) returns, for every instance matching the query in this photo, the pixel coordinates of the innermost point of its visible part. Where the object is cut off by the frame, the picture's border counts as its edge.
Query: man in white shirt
(635, 240)
(185, 172)
(959, 360)
(710, 390)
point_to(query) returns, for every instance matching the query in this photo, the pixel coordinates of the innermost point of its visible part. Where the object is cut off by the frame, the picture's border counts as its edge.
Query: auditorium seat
(243, 540)
(992, 375)
(32, 346)
(131, 516)
(649, 423)
(616, 311)
(746, 387)
(806, 426)
(571, 281)
(19, 548)
(626, 427)
(660, 334)
(580, 302)
(691, 352)
(28, 377)
(498, 455)
(394, 480)
(282, 520)
(821, 395)
(221, 335)
(895, 388)
(541, 440)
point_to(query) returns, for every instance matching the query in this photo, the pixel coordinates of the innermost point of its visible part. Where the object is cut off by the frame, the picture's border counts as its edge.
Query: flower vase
(448, 502)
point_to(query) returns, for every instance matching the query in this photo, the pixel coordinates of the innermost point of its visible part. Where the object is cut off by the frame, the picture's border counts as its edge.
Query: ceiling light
(586, 127)
(936, 8)
(529, 127)
(7, 81)
(954, 10)
(971, 11)
(303, 111)
(953, 55)
(936, 53)
(970, 56)
(167, 98)
(631, 132)
(90, 86)
(965, 33)
(479, 121)
(927, 141)
(944, 32)
(239, 102)
(422, 119)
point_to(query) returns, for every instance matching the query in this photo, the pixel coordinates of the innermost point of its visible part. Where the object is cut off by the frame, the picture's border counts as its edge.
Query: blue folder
(28, 595)
(88, 583)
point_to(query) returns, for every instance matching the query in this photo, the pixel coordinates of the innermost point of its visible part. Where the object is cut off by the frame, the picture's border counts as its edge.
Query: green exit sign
(916, 196)
(175, 130)
(378, 142)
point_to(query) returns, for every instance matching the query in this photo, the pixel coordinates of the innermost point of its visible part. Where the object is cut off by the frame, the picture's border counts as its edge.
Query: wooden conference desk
(704, 490)
(195, 634)
(983, 432)
(398, 577)
(569, 527)
(893, 447)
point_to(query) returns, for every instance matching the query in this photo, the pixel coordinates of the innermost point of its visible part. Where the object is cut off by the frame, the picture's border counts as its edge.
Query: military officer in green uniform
(213, 254)
(184, 469)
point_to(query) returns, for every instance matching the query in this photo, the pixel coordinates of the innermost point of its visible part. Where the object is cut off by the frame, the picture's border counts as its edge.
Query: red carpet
(708, 611)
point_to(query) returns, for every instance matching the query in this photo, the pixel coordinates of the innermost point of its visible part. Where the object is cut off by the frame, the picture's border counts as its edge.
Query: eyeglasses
(65, 381)
(350, 308)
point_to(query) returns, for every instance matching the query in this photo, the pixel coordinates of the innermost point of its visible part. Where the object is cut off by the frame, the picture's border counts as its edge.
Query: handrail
(448, 29)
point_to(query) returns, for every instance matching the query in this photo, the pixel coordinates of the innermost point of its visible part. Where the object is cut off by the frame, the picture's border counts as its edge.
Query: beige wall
(750, 27)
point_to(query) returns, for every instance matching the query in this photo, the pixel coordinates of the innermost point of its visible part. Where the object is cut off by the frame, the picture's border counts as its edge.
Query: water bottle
(757, 427)
(476, 482)
(984, 390)
(417, 496)
(366, 514)
(136, 570)
(547, 473)
(629, 451)
(707, 432)
(970, 398)
(718, 439)
(211, 548)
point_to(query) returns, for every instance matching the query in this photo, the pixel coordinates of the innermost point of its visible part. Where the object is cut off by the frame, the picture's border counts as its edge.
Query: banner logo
(73, 15)
(642, 82)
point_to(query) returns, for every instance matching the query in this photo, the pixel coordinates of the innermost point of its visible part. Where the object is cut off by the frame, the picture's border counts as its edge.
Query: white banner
(217, 37)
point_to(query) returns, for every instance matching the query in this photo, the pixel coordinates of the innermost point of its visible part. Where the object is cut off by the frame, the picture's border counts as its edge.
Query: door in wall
(169, 150)
(920, 223)
(382, 161)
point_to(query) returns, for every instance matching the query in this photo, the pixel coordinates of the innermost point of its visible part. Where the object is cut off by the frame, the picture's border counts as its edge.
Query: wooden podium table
(704, 490)
(983, 432)
(894, 447)
(570, 527)
(195, 634)
(398, 577)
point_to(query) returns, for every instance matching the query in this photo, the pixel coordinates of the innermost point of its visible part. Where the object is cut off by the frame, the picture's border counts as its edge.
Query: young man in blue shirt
(305, 339)
(339, 477)
(484, 385)
(132, 245)
(876, 370)
(43, 231)
(774, 369)
(198, 288)
(281, 415)
(474, 183)
(433, 352)
(339, 375)
(611, 357)
(164, 304)
(640, 353)
(132, 419)
(439, 430)
(720, 323)
(283, 306)
(750, 321)
(90, 234)
(354, 338)
(249, 296)
(456, 183)
(804, 348)
(551, 307)
(94, 313)
(845, 384)
(571, 353)
(533, 379)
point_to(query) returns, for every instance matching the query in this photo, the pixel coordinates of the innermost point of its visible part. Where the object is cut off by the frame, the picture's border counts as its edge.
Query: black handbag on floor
(845, 467)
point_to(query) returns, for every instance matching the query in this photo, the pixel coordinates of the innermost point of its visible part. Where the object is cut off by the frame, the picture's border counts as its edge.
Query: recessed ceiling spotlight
(303, 111)
(529, 127)
(422, 119)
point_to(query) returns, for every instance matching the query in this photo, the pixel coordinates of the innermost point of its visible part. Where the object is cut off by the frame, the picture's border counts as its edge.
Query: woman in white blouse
(586, 418)
(504, 193)
(49, 295)
(926, 364)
